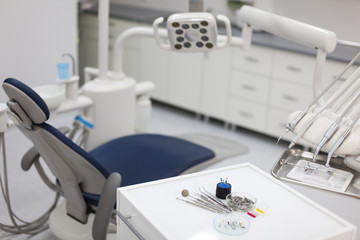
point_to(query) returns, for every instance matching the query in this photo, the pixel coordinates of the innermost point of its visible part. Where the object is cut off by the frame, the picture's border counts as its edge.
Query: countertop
(343, 53)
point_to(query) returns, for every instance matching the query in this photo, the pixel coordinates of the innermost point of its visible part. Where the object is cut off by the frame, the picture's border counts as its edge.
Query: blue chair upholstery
(138, 158)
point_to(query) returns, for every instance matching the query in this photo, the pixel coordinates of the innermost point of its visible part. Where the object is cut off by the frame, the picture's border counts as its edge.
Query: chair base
(65, 227)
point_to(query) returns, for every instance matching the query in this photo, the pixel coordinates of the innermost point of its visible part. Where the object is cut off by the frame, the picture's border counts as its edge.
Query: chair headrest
(31, 103)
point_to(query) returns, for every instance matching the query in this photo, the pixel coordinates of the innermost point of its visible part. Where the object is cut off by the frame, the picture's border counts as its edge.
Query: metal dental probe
(344, 88)
(204, 201)
(213, 198)
(341, 139)
(329, 133)
(332, 129)
(291, 125)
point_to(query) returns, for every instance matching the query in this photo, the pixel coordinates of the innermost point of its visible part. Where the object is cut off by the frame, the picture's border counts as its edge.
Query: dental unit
(115, 107)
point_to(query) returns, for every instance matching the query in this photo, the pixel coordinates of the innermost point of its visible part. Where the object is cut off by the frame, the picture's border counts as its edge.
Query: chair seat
(146, 157)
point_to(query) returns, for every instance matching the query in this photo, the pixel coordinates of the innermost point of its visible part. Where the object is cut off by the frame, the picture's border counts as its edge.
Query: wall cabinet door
(185, 79)
(215, 87)
(154, 67)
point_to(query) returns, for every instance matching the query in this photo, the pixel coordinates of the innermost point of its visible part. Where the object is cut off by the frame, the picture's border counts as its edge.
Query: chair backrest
(76, 171)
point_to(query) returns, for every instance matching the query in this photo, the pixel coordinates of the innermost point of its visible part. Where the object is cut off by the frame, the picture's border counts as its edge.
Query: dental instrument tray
(296, 166)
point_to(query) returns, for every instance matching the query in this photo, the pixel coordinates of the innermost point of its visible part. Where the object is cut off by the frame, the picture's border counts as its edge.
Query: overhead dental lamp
(192, 32)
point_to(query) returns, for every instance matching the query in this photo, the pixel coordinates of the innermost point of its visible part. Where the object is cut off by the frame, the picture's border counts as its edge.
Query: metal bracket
(129, 225)
(196, 6)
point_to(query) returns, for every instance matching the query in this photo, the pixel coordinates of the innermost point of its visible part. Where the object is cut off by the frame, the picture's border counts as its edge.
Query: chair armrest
(105, 206)
(31, 157)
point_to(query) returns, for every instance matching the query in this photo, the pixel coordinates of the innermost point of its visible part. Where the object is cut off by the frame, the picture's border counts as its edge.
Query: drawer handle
(293, 69)
(290, 98)
(246, 114)
(251, 59)
(248, 87)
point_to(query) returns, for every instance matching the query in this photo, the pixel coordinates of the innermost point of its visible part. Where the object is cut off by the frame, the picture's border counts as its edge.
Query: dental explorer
(341, 139)
(334, 126)
(291, 125)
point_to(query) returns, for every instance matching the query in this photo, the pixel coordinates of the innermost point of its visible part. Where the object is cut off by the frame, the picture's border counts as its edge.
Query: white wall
(215, 6)
(340, 16)
(34, 35)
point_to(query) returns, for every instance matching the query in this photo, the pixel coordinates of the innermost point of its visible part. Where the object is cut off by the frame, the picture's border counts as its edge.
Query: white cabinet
(154, 67)
(185, 77)
(215, 86)
(152, 209)
(290, 89)
(249, 87)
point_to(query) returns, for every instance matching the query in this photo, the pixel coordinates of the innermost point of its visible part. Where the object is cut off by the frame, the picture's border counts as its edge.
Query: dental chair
(88, 180)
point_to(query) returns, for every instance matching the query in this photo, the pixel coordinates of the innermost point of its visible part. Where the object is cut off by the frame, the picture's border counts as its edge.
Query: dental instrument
(290, 126)
(332, 129)
(341, 140)
(205, 201)
(340, 93)
(212, 197)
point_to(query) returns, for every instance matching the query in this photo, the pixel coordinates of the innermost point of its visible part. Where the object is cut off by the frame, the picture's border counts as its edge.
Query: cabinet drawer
(255, 60)
(331, 72)
(154, 71)
(247, 114)
(294, 67)
(249, 86)
(290, 96)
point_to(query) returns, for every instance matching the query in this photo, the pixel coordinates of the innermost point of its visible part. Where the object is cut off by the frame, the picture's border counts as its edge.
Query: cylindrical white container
(143, 114)
(72, 88)
(3, 118)
(113, 111)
